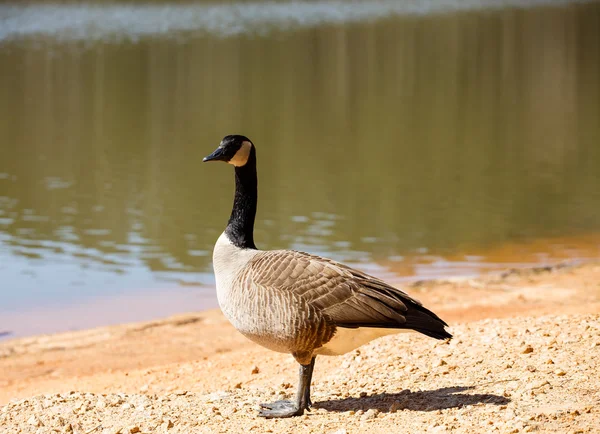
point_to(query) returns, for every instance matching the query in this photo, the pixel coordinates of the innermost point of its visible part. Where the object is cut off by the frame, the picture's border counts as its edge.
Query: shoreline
(161, 302)
(202, 355)
(209, 303)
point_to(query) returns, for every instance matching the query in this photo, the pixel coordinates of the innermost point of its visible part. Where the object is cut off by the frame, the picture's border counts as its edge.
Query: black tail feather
(424, 321)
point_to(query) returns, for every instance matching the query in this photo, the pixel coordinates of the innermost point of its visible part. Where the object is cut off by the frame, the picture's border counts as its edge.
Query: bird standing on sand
(295, 302)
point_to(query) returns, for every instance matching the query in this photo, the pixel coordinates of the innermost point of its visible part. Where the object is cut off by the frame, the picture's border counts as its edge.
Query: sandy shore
(525, 358)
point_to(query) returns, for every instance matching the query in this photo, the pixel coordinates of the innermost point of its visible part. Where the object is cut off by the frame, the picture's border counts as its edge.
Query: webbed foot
(279, 409)
(286, 408)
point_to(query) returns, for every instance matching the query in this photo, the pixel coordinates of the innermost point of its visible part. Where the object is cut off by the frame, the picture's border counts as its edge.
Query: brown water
(410, 145)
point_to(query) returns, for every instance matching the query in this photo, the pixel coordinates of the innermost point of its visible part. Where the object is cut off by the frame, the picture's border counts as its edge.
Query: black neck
(240, 228)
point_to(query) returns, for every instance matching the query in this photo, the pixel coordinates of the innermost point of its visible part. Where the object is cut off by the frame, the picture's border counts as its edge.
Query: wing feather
(344, 296)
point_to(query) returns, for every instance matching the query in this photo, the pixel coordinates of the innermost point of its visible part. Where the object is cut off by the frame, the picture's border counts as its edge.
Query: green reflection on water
(374, 140)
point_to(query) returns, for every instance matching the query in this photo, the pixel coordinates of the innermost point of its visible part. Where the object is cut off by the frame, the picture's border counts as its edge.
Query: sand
(525, 358)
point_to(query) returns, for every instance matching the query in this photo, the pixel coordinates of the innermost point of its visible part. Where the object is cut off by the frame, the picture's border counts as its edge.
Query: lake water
(412, 139)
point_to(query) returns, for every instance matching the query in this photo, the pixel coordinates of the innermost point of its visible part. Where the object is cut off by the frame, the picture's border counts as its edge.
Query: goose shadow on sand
(426, 400)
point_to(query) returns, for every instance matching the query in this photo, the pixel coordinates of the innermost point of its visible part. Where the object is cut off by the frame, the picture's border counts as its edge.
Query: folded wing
(344, 296)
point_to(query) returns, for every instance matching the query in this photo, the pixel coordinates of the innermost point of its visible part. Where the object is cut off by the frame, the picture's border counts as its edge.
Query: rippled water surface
(412, 139)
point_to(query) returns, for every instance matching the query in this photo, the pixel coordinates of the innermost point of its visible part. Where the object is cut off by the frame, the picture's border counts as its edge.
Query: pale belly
(346, 339)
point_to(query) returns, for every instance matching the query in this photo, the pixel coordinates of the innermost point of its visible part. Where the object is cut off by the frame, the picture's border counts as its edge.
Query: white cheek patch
(241, 156)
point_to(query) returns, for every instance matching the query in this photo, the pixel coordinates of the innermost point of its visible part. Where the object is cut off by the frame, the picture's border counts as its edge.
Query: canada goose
(295, 302)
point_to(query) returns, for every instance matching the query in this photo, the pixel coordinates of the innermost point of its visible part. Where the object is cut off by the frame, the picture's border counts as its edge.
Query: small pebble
(370, 414)
(396, 405)
(538, 385)
(33, 420)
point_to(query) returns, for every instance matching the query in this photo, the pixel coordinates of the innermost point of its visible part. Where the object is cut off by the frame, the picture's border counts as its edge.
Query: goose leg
(287, 408)
(307, 393)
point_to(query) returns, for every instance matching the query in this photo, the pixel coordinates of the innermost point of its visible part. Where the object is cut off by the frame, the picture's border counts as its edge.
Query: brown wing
(345, 296)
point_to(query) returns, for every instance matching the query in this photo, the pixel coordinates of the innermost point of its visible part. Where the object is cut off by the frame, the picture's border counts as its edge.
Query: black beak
(217, 155)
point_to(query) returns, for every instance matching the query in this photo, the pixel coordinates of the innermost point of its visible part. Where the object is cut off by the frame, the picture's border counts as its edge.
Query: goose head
(233, 149)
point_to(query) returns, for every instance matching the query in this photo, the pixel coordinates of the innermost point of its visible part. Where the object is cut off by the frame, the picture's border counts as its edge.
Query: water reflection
(379, 142)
